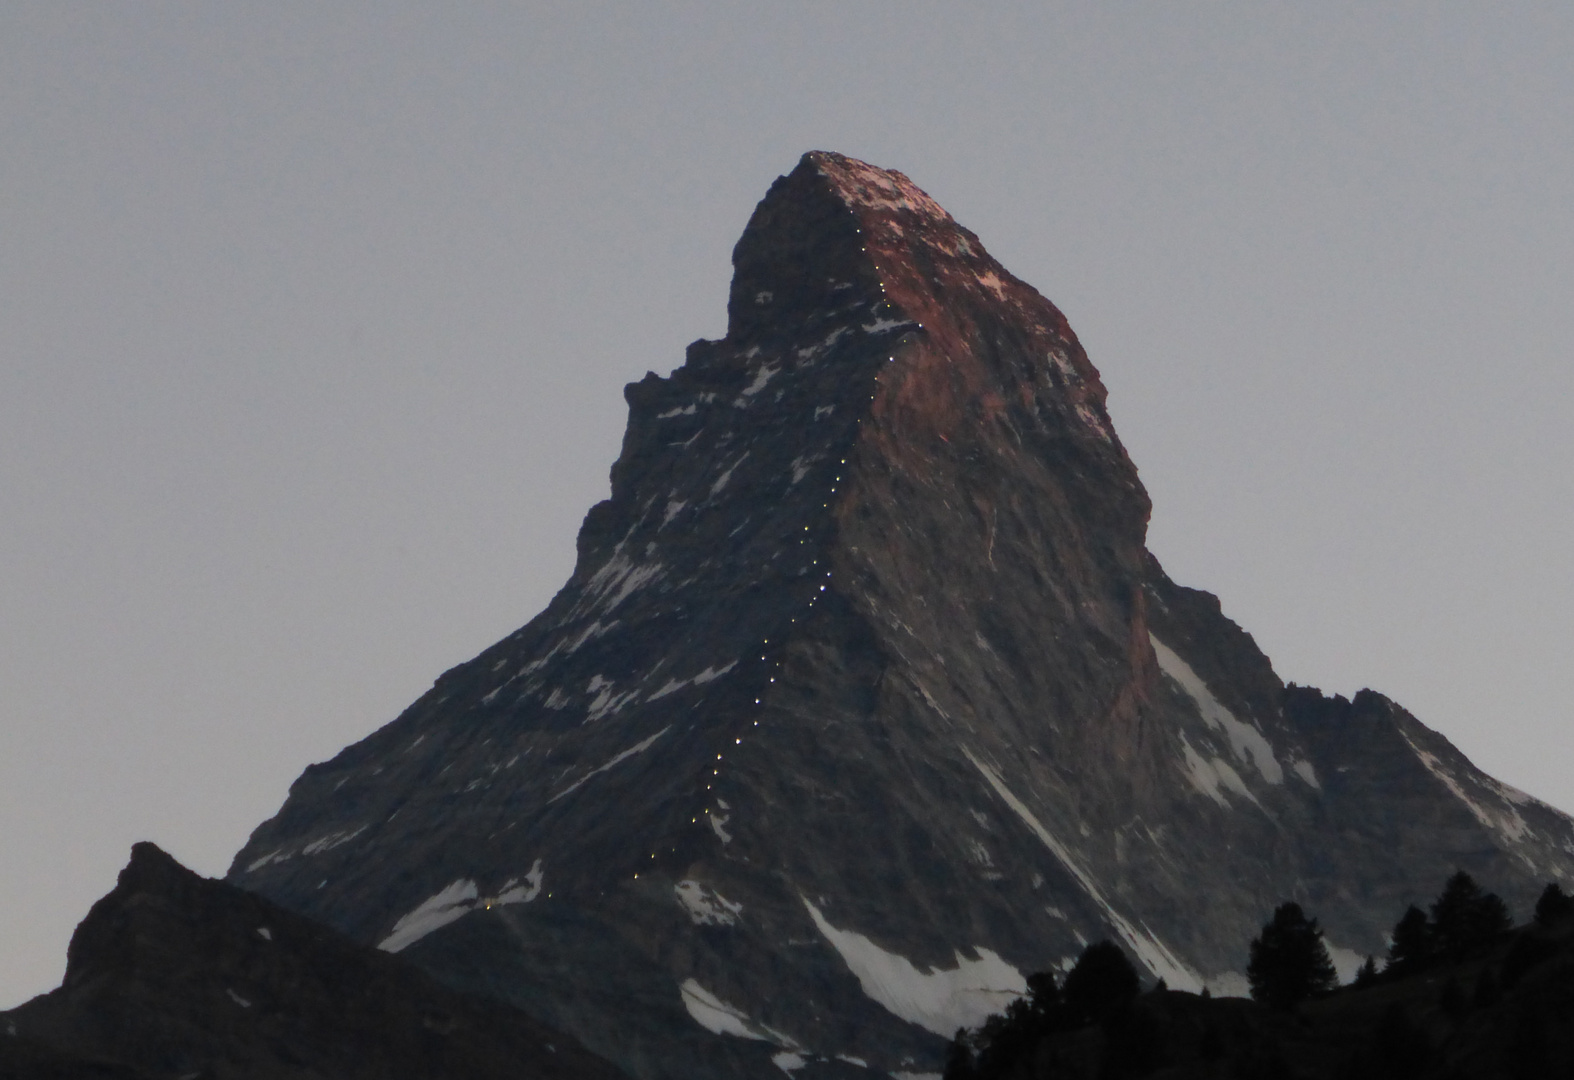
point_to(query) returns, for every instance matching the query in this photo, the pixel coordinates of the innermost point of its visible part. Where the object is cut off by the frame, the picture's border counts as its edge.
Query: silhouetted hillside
(1500, 1007)
(175, 975)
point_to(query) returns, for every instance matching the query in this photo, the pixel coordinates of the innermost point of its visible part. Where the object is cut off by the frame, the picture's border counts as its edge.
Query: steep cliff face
(865, 699)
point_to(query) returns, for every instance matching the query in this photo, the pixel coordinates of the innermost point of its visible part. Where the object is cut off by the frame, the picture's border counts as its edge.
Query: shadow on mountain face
(175, 975)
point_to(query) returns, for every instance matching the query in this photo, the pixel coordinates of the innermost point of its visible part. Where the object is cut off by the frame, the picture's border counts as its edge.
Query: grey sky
(314, 321)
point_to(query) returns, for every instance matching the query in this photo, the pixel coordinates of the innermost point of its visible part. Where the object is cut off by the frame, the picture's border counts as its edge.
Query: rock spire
(865, 700)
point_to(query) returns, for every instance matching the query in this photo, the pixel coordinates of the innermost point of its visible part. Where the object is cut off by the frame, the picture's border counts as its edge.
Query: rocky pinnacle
(866, 699)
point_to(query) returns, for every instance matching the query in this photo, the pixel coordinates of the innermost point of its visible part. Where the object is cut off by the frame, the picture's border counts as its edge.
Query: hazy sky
(314, 321)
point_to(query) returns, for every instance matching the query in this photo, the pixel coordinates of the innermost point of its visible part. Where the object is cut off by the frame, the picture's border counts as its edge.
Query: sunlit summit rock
(866, 700)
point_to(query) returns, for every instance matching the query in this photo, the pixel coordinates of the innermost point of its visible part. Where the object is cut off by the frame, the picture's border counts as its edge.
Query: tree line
(1288, 963)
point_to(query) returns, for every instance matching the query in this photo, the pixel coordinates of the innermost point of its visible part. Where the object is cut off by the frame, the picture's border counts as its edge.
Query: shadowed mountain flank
(174, 975)
(866, 699)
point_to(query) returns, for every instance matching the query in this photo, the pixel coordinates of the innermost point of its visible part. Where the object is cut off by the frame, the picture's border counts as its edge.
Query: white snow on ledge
(706, 907)
(514, 893)
(276, 855)
(433, 913)
(1248, 743)
(453, 903)
(881, 325)
(720, 1018)
(1208, 775)
(617, 759)
(941, 1000)
(715, 1015)
(1509, 824)
(672, 686)
(788, 1062)
(331, 840)
(1304, 770)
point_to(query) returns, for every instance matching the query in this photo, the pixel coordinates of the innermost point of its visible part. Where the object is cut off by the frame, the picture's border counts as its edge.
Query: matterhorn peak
(865, 700)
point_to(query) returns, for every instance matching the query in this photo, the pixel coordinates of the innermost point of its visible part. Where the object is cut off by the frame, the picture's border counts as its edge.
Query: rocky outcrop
(866, 699)
(173, 975)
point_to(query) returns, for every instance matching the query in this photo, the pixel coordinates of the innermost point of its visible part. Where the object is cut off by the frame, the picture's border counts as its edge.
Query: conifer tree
(1289, 961)
(1464, 917)
(1410, 943)
(1103, 984)
(1555, 906)
(959, 1061)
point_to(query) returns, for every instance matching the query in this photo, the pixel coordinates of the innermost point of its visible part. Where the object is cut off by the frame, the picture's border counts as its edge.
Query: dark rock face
(22, 1058)
(173, 975)
(866, 699)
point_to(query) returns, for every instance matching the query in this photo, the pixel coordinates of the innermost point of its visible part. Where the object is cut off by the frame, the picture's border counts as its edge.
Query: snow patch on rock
(606, 701)
(1208, 775)
(991, 281)
(1512, 827)
(618, 759)
(1246, 741)
(1138, 938)
(718, 825)
(721, 481)
(514, 893)
(716, 1016)
(862, 183)
(940, 1000)
(619, 577)
(710, 674)
(276, 855)
(331, 840)
(706, 907)
(434, 913)
(762, 375)
(594, 630)
(1303, 768)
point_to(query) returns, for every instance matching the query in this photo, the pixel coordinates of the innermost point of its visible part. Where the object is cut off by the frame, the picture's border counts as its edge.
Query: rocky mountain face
(173, 975)
(865, 700)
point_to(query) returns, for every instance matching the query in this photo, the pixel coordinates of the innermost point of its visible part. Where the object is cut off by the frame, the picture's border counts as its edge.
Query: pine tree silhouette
(1555, 906)
(1289, 961)
(1465, 918)
(1103, 984)
(1411, 942)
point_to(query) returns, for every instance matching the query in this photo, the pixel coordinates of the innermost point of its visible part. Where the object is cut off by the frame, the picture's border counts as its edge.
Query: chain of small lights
(774, 666)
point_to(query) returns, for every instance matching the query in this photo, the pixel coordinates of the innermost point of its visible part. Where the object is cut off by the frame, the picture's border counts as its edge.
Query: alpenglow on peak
(866, 699)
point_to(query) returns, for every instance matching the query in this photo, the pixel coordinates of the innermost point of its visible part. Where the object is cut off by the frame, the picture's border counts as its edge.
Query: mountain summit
(866, 699)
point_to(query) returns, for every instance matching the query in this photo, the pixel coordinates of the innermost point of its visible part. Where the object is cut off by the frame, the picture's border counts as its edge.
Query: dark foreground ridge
(174, 975)
(865, 700)
(1477, 1000)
